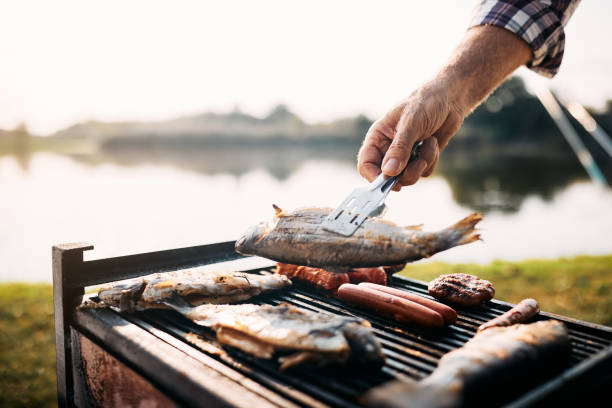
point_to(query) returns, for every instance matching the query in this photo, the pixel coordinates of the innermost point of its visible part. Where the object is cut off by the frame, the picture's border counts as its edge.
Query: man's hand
(428, 115)
(435, 111)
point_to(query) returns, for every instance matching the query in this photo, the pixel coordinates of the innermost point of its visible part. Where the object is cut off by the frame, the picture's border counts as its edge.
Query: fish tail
(430, 243)
(465, 227)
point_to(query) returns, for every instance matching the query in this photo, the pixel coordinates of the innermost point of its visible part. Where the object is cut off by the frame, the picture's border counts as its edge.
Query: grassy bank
(579, 287)
(27, 346)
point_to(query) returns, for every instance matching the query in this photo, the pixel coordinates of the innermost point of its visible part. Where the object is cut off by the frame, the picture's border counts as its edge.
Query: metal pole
(585, 158)
(589, 124)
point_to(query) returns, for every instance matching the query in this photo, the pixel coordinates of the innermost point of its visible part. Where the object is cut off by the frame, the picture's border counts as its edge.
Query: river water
(153, 205)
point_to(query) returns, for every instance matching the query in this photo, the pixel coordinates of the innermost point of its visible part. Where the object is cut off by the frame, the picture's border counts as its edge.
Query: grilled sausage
(374, 275)
(520, 313)
(319, 278)
(400, 309)
(448, 313)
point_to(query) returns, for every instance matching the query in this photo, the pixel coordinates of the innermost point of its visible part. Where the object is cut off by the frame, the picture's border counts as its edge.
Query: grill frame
(192, 377)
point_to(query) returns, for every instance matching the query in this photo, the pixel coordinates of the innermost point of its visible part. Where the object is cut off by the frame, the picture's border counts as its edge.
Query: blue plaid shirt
(539, 22)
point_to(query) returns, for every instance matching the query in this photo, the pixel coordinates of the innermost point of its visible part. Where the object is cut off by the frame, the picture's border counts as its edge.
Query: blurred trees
(511, 121)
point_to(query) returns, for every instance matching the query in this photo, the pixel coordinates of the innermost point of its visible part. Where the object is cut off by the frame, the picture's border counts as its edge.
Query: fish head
(365, 348)
(124, 294)
(253, 239)
(250, 241)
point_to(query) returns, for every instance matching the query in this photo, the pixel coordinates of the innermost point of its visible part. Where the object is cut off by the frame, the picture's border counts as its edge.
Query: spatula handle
(386, 184)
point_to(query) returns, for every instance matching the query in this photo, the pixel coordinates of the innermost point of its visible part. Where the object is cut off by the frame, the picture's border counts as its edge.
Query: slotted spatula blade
(362, 203)
(355, 208)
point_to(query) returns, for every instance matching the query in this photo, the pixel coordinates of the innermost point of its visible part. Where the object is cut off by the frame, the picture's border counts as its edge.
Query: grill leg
(67, 259)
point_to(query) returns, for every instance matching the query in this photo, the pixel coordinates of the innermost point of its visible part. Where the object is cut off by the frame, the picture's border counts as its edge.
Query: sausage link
(523, 311)
(448, 313)
(400, 309)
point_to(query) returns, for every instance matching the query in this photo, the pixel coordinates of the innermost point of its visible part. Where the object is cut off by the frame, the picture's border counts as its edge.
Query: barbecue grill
(159, 357)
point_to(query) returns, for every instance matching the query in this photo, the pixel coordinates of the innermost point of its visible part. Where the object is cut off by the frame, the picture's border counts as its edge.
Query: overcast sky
(67, 61)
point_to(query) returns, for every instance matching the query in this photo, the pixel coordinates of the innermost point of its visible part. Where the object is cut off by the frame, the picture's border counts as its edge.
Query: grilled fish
(298, 238)
(493, 366)
(262, 330)
(197, 286)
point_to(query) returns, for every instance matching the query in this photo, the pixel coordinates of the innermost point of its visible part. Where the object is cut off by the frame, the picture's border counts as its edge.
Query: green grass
(579, 287)
(27, 346)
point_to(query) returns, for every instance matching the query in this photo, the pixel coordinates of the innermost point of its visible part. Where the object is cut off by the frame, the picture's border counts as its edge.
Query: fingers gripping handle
(362, 203)
(386, 184)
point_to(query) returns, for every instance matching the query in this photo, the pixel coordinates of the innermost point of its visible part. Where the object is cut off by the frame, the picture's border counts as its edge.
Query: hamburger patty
(461, 289)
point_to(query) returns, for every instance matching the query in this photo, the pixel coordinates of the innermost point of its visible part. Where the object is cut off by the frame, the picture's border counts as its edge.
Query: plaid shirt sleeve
(539, 22)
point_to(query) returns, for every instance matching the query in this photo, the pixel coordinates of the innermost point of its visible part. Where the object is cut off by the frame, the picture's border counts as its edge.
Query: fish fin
(177, 303)
(296, 359)
(165, 284)
(244, 342)
(313, 357)
(278, 212)
(414, 227)
(209, 345)
(385, 221)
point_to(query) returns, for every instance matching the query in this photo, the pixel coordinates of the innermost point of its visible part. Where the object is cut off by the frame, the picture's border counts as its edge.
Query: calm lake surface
(126, 206)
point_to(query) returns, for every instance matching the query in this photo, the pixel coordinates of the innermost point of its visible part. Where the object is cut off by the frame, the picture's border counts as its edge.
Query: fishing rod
(590, 125)
(584, 156)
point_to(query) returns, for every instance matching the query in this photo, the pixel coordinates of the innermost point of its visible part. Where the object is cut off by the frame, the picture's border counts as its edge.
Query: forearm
(483, 59)
(505, 34)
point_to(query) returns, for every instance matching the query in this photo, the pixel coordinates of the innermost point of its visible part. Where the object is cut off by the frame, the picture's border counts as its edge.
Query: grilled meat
(489, 369)
(319, 278)
(371, 275)
(195, 285)
(298, 238)
(398, 308)
(448, 314)
(330, 281)
(461, 289)
(307, 336)
(523, 311)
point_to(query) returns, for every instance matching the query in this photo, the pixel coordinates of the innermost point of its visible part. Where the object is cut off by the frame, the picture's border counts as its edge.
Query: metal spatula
(363, 202)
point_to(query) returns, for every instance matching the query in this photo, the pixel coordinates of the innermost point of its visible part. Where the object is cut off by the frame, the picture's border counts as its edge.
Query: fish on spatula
(492, 367)
(297, 237)
(196, 286)
(302, 336)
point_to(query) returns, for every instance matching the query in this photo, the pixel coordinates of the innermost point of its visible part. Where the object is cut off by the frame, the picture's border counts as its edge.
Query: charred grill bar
(152, 355)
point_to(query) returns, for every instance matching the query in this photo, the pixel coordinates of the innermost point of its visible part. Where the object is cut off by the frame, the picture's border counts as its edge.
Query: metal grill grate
(410, 351)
